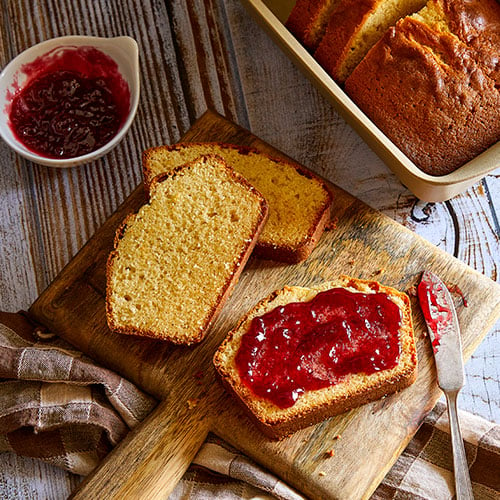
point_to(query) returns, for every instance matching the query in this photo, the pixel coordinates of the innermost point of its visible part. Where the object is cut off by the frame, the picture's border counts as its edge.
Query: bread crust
(345, 23)
(266, 249)
(323, 403)
(229, 284)
(477, 24)
(450, 114)
(308, 21)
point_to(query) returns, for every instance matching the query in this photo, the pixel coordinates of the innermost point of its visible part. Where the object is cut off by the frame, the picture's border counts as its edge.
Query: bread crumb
(192, 403)
(332, 224)
(322, 473)
(351, 262)
(330, 453)
(378, 271)
(412, 291)
(42, 334)
(338, 436)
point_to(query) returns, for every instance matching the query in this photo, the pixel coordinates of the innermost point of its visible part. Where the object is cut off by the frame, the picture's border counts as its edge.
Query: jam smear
(73, 102)
(437, 314)
(312, 345)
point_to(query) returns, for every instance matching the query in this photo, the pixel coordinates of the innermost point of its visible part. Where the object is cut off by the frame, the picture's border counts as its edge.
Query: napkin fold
(58, 405)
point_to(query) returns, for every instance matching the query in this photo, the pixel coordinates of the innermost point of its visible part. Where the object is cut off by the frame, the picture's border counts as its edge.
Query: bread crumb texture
(297, 199)
(354, 28)
(174, 259)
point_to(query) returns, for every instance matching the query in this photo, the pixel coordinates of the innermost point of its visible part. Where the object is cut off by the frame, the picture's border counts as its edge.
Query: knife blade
(444, 332)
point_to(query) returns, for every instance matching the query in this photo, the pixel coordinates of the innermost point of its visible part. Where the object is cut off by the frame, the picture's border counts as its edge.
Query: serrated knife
(444, 332)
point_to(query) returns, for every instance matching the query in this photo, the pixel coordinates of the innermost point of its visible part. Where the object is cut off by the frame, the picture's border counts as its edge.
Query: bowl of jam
(69, 100)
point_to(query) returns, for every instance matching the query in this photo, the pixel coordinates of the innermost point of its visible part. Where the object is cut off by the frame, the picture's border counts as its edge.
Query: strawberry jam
(311, 345)
(73, 102)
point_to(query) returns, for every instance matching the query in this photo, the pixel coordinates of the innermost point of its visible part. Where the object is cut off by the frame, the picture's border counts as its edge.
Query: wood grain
(362, 244)
(43, 223)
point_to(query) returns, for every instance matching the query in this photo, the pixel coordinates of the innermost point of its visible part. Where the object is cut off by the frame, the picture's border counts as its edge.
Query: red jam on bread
(305, 346)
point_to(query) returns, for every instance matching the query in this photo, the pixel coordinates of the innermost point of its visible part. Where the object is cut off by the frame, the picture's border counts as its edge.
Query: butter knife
(444, 332)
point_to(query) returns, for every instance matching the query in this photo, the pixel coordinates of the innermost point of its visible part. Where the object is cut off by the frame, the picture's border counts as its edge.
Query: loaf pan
(272, 14)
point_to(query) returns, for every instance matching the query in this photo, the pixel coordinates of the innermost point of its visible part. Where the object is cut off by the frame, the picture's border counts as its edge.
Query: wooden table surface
(197, 54)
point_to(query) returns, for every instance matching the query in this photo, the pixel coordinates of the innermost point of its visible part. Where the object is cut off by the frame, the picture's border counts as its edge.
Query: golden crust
(309, 19)
(315, 406)
(343, 26)
(232, 278)
(430, 97)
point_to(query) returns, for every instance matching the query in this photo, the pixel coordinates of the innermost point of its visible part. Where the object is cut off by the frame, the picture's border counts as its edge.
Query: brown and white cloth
(59, 406)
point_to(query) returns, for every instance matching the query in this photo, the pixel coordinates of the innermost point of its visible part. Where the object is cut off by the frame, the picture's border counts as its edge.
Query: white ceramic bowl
(123, 50)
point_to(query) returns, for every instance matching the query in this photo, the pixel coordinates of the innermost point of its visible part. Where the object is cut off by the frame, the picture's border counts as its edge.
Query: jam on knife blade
(436, 312)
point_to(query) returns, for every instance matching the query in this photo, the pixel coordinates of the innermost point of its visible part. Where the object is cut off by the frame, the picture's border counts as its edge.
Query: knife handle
(463, 485)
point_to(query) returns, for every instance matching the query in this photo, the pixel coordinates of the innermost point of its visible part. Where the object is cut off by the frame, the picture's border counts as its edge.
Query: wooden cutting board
(364, 244)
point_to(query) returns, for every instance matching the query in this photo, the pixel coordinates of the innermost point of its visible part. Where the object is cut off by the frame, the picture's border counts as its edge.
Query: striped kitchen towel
(58, 405)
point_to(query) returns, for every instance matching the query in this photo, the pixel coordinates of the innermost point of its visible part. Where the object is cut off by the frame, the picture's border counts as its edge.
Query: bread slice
(435, 97)
(314, 406)
(299, 202)
(354, 27)
(177, 260)
(309, 19)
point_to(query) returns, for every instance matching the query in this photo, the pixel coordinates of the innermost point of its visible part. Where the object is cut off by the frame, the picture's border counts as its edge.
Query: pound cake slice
(305, 354)
(354, 27)
(177, 260)
(309, 19)
(299, 202)
(433, 95)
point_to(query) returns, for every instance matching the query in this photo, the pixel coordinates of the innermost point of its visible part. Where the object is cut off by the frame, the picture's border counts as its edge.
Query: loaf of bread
(299, 202)
(177, 260)
(261, 360)
(354, 27)
(475, 23)
(309, 19)
(431, 83)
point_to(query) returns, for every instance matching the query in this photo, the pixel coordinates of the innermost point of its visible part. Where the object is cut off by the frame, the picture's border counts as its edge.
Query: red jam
(311, 345)
(437, 315)
(74, 102)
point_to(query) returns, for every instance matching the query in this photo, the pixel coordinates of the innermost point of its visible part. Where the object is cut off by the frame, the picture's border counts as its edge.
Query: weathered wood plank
(46, 216)
(27, 478)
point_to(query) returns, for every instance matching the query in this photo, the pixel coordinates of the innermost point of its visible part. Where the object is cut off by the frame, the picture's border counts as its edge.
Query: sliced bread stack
(299, 202)
(176, 261)
(353, 27)
(313, 406)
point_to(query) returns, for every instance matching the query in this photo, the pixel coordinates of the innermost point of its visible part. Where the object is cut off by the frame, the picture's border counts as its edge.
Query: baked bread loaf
(288, 378)
(309, 19)
(435, 96)
(354, 27)
(177, 260)
(475, 23)
(299, 202)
